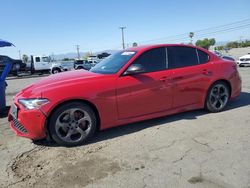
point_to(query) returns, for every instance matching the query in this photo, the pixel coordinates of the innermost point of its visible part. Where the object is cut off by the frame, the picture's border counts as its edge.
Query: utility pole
(53, 56)
(123, 43)
(19, 51)
(78, 52)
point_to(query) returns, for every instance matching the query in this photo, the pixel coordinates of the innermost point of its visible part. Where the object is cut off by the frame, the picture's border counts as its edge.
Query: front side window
(179, 56)
(152, 60)
(113, 63)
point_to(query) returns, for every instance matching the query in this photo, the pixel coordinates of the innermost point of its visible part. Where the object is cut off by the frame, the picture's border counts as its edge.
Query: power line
(225, 26)
(210, 31)
(215, 32)
(184, 36)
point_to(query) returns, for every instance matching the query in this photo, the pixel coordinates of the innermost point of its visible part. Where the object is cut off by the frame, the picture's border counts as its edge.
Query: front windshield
(113, 63)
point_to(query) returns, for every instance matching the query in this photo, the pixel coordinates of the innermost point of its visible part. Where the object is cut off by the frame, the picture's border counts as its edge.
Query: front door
(147, 92)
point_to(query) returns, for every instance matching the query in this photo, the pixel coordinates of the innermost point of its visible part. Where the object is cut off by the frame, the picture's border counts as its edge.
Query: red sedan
(131, 85)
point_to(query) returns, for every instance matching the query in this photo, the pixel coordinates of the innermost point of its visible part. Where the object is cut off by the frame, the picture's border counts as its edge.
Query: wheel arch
(56, 68)
(226, 82)
(219, 80)
(93, 106)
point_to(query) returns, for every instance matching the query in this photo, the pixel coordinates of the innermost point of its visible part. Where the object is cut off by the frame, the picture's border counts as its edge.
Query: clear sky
(55, 26)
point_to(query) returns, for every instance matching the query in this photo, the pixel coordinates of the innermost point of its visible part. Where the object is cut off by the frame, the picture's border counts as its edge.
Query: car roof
(245, 56)
(148, 47)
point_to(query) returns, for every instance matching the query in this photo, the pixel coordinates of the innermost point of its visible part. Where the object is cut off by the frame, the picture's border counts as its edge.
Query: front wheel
(72, 124)
(217, 97)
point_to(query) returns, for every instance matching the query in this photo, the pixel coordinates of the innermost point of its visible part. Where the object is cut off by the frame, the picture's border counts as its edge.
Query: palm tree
(191, 35)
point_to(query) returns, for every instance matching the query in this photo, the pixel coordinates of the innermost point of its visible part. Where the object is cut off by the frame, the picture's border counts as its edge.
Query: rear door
(191, 74)
(147, 92)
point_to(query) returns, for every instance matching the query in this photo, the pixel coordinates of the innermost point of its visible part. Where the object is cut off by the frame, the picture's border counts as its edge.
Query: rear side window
(152, 60)
(203, 57)
(179, 56)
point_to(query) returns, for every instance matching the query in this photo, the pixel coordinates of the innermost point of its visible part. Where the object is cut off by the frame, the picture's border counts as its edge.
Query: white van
(244, 61)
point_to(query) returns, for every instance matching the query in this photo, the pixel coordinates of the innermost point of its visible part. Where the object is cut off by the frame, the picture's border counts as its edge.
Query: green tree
(135, 44)
(67, 59)
(234, 44)
(205, 43)
(25, 58)
(219, 48)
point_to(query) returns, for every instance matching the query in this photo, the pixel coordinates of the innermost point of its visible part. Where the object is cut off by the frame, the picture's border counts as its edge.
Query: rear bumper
(236, 84)
(29, 123)
(236, 93)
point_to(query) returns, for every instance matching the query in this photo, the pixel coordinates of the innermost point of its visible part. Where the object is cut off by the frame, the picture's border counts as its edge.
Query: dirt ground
(192, 149)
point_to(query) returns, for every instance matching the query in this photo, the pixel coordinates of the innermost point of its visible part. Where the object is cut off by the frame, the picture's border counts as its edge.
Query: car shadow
(241, 101)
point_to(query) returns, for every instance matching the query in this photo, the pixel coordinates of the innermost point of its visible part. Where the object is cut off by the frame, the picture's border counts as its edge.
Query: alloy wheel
(218, 96)
(73, 125)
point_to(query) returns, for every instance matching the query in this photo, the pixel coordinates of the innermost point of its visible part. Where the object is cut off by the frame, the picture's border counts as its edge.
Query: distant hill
(70, 55)
(221, 43)
(73, 55)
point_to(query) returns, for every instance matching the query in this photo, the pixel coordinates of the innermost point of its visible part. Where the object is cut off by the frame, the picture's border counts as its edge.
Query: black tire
(60, 125)
(217, 97)
(241, 65)
(55, 71)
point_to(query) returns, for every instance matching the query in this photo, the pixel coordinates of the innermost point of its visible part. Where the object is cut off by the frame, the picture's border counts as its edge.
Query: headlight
(33, 103)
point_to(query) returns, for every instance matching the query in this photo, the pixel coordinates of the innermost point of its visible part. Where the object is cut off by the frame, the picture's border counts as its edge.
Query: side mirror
(134, 69)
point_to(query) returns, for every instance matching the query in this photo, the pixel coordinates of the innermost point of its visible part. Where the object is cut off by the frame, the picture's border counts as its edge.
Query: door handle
(207, 72)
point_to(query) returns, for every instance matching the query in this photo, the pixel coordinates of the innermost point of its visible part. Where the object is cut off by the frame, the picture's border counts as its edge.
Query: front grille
(18, 126)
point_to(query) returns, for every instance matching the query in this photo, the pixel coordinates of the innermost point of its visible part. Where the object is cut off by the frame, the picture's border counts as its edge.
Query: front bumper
(28, 123)
(243, 63)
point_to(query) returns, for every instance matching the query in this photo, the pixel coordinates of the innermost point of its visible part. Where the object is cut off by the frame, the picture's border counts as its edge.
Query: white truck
(39, 64)
(44, 64)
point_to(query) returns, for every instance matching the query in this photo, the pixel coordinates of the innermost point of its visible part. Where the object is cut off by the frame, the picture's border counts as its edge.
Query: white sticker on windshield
(128, 53)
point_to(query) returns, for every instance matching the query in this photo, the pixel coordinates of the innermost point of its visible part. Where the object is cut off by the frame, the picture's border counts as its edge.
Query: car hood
(59, 80)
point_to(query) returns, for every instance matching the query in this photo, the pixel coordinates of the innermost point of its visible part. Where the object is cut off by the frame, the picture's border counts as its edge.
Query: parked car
(82, 64)
(62, 66)
(229, 58)
(17, 65)
(132, 85)
(244, 61)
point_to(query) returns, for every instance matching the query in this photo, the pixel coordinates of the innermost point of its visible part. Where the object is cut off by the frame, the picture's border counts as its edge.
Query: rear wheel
(55, 71)
(72, 124)
(217, 97)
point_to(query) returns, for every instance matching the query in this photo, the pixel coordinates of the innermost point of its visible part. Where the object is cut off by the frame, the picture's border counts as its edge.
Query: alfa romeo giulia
(128, 86)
